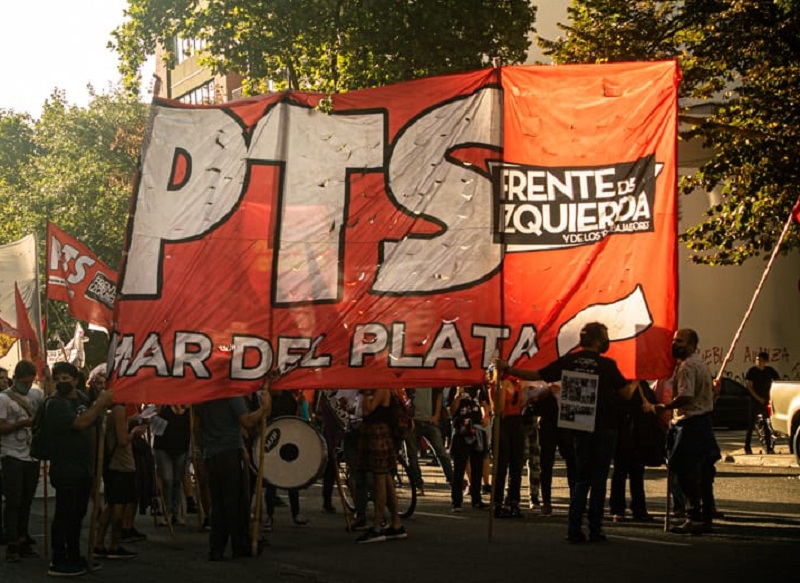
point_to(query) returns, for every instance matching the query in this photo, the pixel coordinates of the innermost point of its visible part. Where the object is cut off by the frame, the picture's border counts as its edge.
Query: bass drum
(295, 453)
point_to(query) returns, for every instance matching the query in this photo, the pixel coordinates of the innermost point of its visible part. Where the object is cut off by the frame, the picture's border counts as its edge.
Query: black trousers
(72, 501)
(511, 458)
(230, 503)
(21, 478)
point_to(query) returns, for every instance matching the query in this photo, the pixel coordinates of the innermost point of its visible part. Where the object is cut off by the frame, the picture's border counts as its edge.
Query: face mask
(679, 352)
(22, 389)
(64, 389)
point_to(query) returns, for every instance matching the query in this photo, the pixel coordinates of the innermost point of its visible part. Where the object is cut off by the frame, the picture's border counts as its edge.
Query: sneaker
(456, 508)
(679, 514)
(329, 509)
(206, 524)
(688, 527)
(100, 552)
(547, 510)
(12, 554)
(534, 503)
(121, 553)
(95, 566)
(267, 525)
(299, 521)
(597, 537)
(279, 503)
(502, 512)
(26, 552)
(178, 520)
(481, 505)
(371, 536)
(132, 536)
(162, 521)
(618, 518)
(358, 523)
(576, 538)
(705, 528)
(66, 570)
(392, 533)
(420, 490)
(515, 512)
(646, 517)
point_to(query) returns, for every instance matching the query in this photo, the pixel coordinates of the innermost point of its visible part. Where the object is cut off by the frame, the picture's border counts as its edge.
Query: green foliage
(74, 166)
(742, 56)
(329, 45)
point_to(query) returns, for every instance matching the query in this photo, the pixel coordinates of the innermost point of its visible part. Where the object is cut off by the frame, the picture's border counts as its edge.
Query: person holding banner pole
(596, 386)
(70, 422)
(220, 422)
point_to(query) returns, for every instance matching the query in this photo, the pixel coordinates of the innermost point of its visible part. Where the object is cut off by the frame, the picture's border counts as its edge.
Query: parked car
(785, 406)
(732, 406)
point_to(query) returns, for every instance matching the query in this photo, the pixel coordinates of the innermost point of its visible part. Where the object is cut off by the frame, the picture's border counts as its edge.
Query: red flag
(442, 220)
(75, 275)
(25, 330)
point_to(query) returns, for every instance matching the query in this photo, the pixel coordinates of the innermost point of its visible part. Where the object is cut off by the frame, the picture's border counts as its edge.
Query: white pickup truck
(784, 398)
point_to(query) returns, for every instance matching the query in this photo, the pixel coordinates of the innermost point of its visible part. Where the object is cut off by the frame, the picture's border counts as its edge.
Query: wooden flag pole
(757, 293)
(195, 482)
(262, 438)
(499, 402)
(43, 469)
(96, 490)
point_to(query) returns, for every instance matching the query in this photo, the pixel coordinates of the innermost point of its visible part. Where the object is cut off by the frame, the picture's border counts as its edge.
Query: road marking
(438, 515)
(648, 540)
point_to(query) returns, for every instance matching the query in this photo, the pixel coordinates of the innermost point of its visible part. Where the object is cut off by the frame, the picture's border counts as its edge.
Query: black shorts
(120, 487)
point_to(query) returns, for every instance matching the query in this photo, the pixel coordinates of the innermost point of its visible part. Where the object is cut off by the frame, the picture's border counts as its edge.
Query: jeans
(72, 501)
(230, 503)
(754, 408)
(461, 452)
(593, 452)
(510, 460)
(19, 480)
(171, 469)
(433, 435)
(533, 456)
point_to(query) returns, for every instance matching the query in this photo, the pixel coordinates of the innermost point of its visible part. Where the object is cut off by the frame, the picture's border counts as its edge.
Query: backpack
(40, 438)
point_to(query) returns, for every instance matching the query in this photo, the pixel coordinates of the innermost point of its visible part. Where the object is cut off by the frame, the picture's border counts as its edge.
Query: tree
(328, 45)
(75, 167)
(744, 57)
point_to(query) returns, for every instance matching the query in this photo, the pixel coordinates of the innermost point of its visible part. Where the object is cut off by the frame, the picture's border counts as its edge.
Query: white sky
(48, 44)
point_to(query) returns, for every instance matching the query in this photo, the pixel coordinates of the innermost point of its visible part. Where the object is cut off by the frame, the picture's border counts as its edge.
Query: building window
(203, 95)
(187, 47)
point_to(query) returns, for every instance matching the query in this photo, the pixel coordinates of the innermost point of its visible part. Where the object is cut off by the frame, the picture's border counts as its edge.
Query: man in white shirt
(18, 404)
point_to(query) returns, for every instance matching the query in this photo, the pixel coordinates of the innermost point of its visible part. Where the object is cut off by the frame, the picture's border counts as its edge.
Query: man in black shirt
(759, 381)
(595, 389)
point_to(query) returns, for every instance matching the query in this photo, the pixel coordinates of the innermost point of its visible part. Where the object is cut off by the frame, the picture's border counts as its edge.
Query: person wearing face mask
(70, 427)
(593, 448)
(18, 404)
(693, 449)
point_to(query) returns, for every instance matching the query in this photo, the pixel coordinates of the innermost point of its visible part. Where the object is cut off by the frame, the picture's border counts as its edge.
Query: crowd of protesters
(198, 460)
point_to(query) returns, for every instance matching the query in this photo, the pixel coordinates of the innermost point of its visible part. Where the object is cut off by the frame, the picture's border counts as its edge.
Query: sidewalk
(780, 459)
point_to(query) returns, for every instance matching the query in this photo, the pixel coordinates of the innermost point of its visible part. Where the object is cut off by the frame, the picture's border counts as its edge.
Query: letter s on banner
(452, 194)
(202, 200)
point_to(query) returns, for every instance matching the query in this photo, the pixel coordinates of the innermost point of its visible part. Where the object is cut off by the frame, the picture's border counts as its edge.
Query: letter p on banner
(185, 190)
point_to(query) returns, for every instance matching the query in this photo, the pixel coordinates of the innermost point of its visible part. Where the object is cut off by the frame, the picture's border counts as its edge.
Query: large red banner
(401, 238)
(76, 276)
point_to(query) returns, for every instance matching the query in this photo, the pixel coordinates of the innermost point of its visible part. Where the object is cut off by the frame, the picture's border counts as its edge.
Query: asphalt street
(759, 494)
